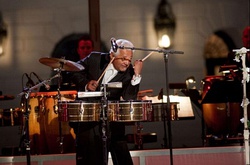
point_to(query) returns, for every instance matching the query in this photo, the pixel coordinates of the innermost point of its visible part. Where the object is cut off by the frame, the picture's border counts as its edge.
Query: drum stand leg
(138, 136)
(203, 130)
(56, 110)
(60, 138)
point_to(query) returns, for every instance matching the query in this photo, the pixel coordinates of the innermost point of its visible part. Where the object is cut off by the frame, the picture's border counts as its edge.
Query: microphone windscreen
(114, 45)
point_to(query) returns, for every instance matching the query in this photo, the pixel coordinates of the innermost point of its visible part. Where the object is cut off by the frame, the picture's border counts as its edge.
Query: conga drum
(59, 135)
(35, 118)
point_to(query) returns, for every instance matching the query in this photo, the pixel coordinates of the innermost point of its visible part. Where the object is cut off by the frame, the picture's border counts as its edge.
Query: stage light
(164, 23)
(190, 82)
(3, 35)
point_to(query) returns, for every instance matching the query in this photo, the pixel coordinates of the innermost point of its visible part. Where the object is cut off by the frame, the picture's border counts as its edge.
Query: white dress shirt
(111, 72)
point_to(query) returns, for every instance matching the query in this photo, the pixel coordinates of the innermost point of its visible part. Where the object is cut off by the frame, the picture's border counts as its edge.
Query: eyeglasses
(123, 59)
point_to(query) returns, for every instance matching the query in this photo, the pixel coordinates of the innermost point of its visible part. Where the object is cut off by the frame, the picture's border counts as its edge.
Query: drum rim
(128, 101)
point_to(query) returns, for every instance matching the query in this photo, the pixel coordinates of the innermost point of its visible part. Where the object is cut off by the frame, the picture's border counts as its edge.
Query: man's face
(123, 60)
(84, 48)
(246, 37)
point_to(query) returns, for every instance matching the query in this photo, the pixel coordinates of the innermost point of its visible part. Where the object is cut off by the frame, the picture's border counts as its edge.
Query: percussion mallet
(148, 55)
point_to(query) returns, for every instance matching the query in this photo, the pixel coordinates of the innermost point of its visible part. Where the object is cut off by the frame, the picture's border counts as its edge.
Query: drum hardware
(81, 111)
(138, 136)
(60, 65)
(55, 107)
(114, 85)
(89, 94)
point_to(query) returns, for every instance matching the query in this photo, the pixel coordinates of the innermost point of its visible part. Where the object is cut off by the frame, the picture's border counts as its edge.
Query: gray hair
(122, 43)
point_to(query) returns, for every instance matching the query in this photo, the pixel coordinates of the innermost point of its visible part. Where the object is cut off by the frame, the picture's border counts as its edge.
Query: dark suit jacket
(94, 66)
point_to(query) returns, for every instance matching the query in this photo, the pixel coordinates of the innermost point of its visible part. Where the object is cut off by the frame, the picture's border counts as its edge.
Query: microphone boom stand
(241, 54)
(168, 110)
(26, 139)
(166, 54)
(104, 126)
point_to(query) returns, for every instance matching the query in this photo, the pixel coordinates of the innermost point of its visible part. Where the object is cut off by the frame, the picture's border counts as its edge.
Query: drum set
(42, 133)
(47, 114)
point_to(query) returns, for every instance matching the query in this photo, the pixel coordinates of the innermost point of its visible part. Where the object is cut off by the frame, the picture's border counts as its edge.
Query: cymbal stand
(104, 127)
(59, 71)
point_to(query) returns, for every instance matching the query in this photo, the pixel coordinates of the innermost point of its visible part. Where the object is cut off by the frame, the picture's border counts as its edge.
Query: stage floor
(228, 155)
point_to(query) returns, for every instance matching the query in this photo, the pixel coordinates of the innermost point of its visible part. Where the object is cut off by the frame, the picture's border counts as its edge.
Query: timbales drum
(130, 111)
(159, 108)
(79, 111)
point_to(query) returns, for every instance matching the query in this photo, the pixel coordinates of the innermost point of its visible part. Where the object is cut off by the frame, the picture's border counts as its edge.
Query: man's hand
(138, 67)
(92, 85)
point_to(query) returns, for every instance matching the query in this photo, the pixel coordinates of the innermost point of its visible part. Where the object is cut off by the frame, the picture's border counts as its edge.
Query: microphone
(114, 45)
(47, 86)
(30, 81)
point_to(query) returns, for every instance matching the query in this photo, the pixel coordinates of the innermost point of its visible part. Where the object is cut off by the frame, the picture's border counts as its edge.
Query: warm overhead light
(3, 34)
(164, 23)
(190, 81)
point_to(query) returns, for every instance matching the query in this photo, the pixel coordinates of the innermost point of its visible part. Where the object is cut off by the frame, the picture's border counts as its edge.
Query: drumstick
(105, 70)
(148, 55)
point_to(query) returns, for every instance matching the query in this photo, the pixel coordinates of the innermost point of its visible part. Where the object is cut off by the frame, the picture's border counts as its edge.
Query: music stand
(223, 92)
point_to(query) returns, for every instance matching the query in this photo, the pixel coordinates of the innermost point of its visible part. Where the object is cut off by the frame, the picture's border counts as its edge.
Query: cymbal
(6, 97)
(64, 65)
